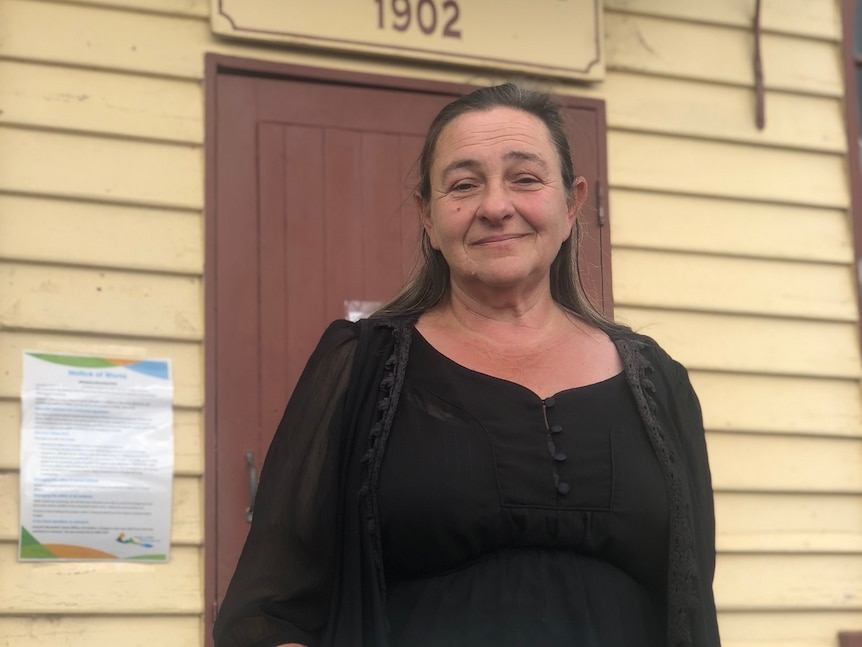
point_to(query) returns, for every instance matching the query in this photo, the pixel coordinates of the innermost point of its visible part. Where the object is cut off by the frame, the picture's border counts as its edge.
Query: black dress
(508, 520)
(477, 538)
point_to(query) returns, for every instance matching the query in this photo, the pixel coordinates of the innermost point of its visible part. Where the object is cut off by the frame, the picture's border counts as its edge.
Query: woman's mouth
(498, 238)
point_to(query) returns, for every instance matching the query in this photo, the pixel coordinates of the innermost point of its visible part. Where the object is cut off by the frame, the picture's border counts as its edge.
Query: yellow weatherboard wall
(732, 247)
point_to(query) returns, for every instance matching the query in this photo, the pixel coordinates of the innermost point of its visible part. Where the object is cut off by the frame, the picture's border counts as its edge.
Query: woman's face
(498, 210)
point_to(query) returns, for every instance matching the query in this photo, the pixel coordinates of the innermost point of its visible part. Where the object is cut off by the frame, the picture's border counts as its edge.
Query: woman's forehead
(500, 131)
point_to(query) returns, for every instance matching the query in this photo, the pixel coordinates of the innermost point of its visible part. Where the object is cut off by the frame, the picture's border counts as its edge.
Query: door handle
(252, 474)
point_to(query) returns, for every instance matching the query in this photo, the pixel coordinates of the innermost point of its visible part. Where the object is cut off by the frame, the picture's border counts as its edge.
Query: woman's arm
(703, 506)
(281, 589)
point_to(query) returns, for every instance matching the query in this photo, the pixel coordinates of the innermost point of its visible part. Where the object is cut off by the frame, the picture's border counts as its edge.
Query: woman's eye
(462, 186)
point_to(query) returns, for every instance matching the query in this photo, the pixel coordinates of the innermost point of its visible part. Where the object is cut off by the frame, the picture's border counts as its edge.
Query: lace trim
(372, 460)
(682, 568)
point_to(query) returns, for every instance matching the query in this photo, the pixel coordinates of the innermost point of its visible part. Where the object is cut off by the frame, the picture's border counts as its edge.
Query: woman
(486, 461)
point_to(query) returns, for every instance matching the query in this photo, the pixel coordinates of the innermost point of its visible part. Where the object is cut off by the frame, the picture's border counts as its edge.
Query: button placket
(557, 457)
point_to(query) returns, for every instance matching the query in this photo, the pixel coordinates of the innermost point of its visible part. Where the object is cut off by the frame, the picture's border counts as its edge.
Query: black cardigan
(311, 570)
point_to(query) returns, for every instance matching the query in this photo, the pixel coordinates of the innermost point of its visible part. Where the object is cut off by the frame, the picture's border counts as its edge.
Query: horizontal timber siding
(733, 247)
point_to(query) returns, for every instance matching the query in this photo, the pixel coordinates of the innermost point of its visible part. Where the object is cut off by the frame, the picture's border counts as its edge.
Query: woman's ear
(577, 198)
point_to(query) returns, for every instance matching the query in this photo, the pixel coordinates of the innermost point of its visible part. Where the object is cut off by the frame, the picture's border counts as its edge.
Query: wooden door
(309, 183)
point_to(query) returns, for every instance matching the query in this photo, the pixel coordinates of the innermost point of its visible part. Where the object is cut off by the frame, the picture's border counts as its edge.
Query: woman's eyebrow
(511, 155)
(525, 156)
(459, 164)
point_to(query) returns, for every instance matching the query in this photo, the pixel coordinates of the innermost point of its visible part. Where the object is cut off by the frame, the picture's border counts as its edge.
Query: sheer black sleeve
(281, 590)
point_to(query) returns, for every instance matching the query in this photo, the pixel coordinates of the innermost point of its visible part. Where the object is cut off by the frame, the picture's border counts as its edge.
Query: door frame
(216, 64)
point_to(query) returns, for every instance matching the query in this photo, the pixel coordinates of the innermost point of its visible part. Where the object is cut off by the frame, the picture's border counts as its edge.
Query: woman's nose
(496, 203)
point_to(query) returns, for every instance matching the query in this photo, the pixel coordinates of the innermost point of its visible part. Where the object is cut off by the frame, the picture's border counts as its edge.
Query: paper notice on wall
(96, 458)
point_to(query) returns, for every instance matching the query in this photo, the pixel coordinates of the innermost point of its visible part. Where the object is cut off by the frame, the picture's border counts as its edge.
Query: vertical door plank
(382, 199)
(271, 345)
(305, 245)
(344, 219)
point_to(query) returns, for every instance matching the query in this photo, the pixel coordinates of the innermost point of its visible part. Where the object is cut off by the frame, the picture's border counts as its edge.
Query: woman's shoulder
(343, 333)
(647, 350)
(339, 332)
(636, 340)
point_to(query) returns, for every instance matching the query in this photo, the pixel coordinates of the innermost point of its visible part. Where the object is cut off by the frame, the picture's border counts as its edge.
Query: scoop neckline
(571, 389)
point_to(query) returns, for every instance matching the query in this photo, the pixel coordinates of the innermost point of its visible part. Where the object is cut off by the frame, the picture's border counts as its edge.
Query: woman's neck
(505, 322)
(528, 308)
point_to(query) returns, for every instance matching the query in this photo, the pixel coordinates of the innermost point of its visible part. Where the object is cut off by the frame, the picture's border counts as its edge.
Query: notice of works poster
(96, 458)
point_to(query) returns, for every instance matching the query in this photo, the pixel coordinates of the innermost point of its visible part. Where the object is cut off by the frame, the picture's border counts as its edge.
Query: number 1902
(421, 13)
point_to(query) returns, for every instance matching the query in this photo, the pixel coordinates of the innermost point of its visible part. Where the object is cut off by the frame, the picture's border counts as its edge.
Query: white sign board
(558, 38)
(96, 458)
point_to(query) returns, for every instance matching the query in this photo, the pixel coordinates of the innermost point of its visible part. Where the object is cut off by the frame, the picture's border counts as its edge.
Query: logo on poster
(132, 540)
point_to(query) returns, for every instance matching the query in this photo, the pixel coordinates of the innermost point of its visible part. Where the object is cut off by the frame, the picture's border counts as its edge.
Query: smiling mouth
(501, 238)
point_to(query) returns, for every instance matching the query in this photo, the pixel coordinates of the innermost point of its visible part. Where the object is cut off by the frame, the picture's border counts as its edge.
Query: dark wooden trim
(230, 64)
(223, 64)
(851, 117)
(210, 405)
(850, 639)
(606, 307)
(216, 64)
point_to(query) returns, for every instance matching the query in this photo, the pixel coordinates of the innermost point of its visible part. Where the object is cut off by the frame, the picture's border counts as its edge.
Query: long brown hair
(429, 284)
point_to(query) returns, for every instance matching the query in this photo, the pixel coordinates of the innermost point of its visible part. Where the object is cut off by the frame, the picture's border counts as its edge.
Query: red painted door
(309, 206)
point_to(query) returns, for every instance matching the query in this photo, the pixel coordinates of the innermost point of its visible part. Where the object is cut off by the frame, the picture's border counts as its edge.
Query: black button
(560, 457)
(555, 429)
(563, 488)
(550, 402)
